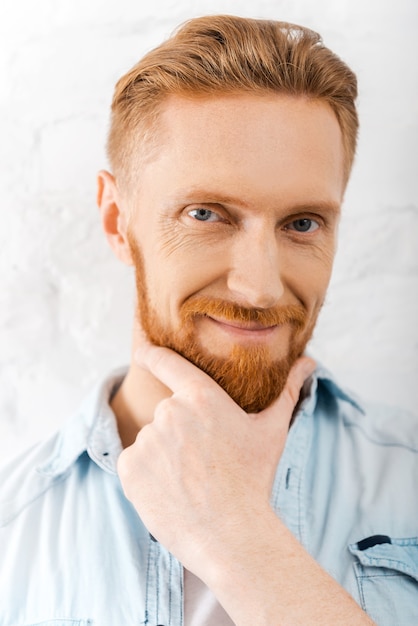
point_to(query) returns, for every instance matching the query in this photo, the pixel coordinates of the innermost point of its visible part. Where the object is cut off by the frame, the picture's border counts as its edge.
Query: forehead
(252, 144)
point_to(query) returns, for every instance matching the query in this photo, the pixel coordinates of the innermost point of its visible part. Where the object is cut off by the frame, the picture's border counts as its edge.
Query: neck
(135, 401)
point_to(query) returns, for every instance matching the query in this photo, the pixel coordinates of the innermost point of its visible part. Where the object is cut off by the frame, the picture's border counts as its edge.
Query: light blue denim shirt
(73, 551)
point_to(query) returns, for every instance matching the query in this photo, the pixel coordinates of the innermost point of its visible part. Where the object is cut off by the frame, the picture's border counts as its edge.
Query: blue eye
(204, 215)
(303, 225)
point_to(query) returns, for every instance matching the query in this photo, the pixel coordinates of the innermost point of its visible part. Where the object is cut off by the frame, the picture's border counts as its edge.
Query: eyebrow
(210, 196)
(198, 194)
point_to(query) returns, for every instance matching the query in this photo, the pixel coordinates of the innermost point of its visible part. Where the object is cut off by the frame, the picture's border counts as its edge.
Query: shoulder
(88, 438)
(29, 477)
(387, 426)
(379, 424)
(22, 480)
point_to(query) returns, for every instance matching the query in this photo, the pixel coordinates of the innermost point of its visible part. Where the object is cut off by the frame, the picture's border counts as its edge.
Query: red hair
(225, 54)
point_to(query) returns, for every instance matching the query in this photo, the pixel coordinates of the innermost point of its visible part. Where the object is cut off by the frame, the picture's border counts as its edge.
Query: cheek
(175, 277)
(181, 266)
(307, 275)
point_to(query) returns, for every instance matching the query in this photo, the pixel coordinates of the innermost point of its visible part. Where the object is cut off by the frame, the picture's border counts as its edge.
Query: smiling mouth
(244, 327)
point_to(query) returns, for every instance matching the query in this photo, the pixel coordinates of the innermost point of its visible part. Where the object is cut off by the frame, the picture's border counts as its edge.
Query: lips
(243, 326)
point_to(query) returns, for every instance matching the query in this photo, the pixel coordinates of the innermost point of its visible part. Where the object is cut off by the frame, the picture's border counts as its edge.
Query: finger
(173, 370)
(286, 402)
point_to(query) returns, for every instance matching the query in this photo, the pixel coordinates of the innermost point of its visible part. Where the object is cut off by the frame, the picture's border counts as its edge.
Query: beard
(249, 374)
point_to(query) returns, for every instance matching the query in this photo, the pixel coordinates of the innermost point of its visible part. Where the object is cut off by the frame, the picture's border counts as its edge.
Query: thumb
(285, 404)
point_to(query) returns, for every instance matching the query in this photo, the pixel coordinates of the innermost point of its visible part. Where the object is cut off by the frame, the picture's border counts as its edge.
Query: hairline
(148, 145)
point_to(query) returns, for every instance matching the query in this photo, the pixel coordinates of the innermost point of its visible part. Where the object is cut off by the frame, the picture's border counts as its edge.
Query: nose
(254, 276)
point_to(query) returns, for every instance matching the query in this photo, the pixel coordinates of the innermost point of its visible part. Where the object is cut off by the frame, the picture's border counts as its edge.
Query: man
(257, 490)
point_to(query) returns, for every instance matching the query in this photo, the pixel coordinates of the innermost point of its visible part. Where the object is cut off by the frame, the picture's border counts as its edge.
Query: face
(232, 232)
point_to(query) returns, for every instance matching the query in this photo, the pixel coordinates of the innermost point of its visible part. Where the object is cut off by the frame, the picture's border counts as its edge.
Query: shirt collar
(325, 379)
(94, 429)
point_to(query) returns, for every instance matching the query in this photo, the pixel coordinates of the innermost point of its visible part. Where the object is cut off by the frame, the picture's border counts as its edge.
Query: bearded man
(225, 478)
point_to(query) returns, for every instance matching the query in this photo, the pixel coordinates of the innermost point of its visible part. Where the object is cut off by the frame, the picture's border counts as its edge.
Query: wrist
(260, 571)
(239, 548)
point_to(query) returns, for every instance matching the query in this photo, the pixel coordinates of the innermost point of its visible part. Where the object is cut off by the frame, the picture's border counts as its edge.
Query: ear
(114, 219)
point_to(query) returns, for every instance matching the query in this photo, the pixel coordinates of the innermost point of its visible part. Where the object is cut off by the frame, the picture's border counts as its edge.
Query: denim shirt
(73, 551)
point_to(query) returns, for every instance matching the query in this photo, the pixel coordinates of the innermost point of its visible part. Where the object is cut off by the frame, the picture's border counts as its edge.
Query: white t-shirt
(201, 608)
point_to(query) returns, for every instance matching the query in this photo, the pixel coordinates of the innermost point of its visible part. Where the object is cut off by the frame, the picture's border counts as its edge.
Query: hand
(203, 467)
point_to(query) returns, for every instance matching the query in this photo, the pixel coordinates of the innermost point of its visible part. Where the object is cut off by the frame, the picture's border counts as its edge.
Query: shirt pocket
(387, 578)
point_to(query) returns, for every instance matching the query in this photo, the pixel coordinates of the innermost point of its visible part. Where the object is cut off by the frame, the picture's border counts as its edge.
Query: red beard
(249, 375)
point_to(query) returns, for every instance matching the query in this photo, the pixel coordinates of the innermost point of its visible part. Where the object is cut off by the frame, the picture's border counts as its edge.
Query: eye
(303, 225)
(204, 215)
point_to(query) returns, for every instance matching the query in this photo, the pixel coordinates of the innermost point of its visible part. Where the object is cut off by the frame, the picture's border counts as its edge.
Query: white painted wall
(65, 303)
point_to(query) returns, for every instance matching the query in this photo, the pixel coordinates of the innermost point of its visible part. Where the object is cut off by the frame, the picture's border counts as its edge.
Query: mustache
(294, 314)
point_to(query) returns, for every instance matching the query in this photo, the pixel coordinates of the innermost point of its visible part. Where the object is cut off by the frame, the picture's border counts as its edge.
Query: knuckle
(164, 411)
(199, 394)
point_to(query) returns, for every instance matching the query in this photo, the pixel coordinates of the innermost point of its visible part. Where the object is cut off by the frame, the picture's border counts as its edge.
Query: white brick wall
(65, 303)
